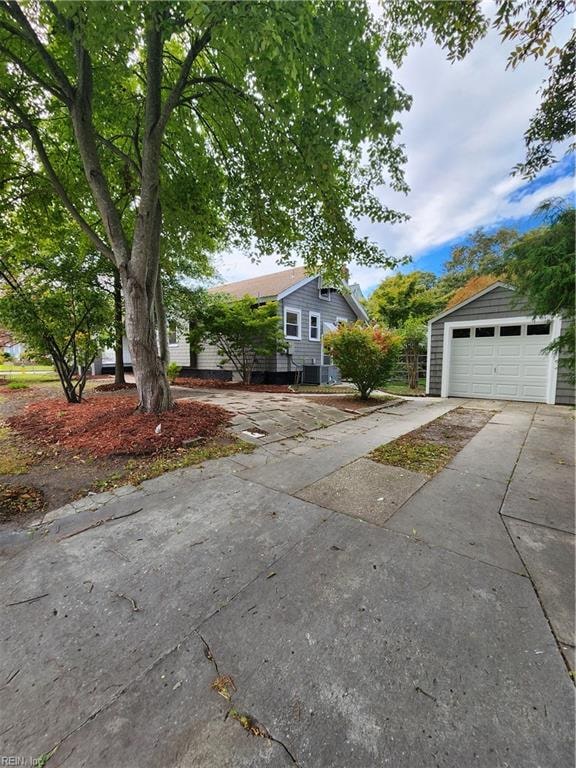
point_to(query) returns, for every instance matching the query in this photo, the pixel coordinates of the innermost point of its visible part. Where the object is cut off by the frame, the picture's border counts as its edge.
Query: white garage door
(504, 362)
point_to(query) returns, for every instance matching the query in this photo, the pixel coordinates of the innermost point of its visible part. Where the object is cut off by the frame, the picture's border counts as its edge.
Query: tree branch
(54, 178)
(29, 33)
(176, 93)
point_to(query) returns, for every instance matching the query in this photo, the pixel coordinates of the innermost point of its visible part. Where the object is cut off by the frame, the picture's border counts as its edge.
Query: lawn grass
(14, 368)
(13, 461)
(413, 454)
(22, 380)
(402, 389)
(138, 470)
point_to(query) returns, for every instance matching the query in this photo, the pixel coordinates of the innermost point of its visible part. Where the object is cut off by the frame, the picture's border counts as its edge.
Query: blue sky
(463, 136)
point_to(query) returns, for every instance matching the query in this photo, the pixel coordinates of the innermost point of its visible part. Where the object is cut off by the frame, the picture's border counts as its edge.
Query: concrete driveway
(215, 618)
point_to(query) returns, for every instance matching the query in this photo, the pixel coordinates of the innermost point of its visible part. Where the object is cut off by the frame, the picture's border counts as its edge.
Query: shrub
(172, 371)
(364, 355)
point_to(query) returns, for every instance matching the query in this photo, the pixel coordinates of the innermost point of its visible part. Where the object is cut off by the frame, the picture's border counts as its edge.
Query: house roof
(265, 286)
(491, 287)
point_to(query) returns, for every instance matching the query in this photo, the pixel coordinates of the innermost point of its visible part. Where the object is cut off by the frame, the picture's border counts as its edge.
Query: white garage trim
(555, 325)
(428, 356)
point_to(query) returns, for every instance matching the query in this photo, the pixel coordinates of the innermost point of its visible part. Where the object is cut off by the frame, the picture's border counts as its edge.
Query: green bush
(364, 355)
(17, 385)
(172, 372)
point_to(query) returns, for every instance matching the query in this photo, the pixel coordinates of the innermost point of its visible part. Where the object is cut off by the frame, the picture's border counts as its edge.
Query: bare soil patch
(347, 403)
(19, 501)
(429, 448)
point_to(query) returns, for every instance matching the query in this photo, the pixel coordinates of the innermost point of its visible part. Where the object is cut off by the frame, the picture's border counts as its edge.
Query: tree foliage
(456, 25)
(541, 267)
(482, 253)
(365, 355)
(179, 126)
(413, 336)
(243, 331)
(53, 298)
(402, 296)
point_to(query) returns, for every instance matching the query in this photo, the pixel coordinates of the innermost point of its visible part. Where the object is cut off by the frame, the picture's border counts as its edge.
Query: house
(489, 345)
(308, 309)
(10, 346)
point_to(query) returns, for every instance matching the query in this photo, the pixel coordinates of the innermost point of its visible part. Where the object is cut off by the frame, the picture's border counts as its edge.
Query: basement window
(511, 330)
(485, 332)
(461, 333)
(538, 329)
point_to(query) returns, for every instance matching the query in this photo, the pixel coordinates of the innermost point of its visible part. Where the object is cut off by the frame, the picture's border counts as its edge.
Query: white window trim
(325, 288)
(555, 326)
(169, 333)
(343, 320)
(318, 328)
(296, 312)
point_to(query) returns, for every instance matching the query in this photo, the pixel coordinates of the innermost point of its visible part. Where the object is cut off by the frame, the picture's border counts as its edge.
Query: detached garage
(489, 346)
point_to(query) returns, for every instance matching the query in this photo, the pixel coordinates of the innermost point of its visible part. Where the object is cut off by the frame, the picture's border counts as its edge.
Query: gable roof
(493, 286)
(281, 284)
(265, 286)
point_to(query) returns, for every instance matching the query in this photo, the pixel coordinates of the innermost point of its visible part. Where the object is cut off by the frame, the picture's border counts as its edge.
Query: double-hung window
(172, 334)
(292, 323)
(314, 326)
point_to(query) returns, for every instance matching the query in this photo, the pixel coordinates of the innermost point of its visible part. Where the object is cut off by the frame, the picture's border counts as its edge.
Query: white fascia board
(470, 300)
(355, 306)
(295, 287)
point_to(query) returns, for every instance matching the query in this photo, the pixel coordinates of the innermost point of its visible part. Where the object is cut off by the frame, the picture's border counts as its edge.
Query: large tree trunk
(149, 370)
(118, 332)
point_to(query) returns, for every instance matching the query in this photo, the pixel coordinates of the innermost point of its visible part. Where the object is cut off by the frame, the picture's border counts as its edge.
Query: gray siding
(499, 303)
(307, 299)
(304, 351)
(564, 387)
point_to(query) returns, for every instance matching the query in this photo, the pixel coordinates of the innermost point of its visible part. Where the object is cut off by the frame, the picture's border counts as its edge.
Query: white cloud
(463, 136)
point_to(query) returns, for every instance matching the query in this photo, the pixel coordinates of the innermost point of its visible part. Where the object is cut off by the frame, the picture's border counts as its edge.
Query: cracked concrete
(352, 644)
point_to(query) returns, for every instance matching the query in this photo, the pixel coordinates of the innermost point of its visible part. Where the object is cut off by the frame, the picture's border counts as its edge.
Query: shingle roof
(263, 286)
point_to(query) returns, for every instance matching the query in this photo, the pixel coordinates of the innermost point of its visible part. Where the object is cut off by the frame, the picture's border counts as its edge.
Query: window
(342, 320)
(292, 323)
(482, 333)
(511, 330)
(324, 293)
(538, 329)
(461, 333)
(172, 334)
(314, 326)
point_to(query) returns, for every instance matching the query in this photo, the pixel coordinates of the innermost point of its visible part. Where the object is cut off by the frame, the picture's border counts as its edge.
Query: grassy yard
(399, 388)
(8, 367)
(22, 378)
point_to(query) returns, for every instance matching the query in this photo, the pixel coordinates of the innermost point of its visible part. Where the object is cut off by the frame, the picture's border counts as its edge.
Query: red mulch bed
(219, 384)
(105, 426)
(114, 387)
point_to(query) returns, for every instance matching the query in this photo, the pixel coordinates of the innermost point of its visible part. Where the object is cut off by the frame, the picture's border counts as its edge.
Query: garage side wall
(499, 303)
(564, 388)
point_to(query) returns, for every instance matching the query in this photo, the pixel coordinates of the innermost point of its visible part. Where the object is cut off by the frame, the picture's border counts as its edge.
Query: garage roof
(493, 286)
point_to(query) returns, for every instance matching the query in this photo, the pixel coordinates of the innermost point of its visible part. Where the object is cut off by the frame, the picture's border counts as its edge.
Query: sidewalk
(349, 644)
